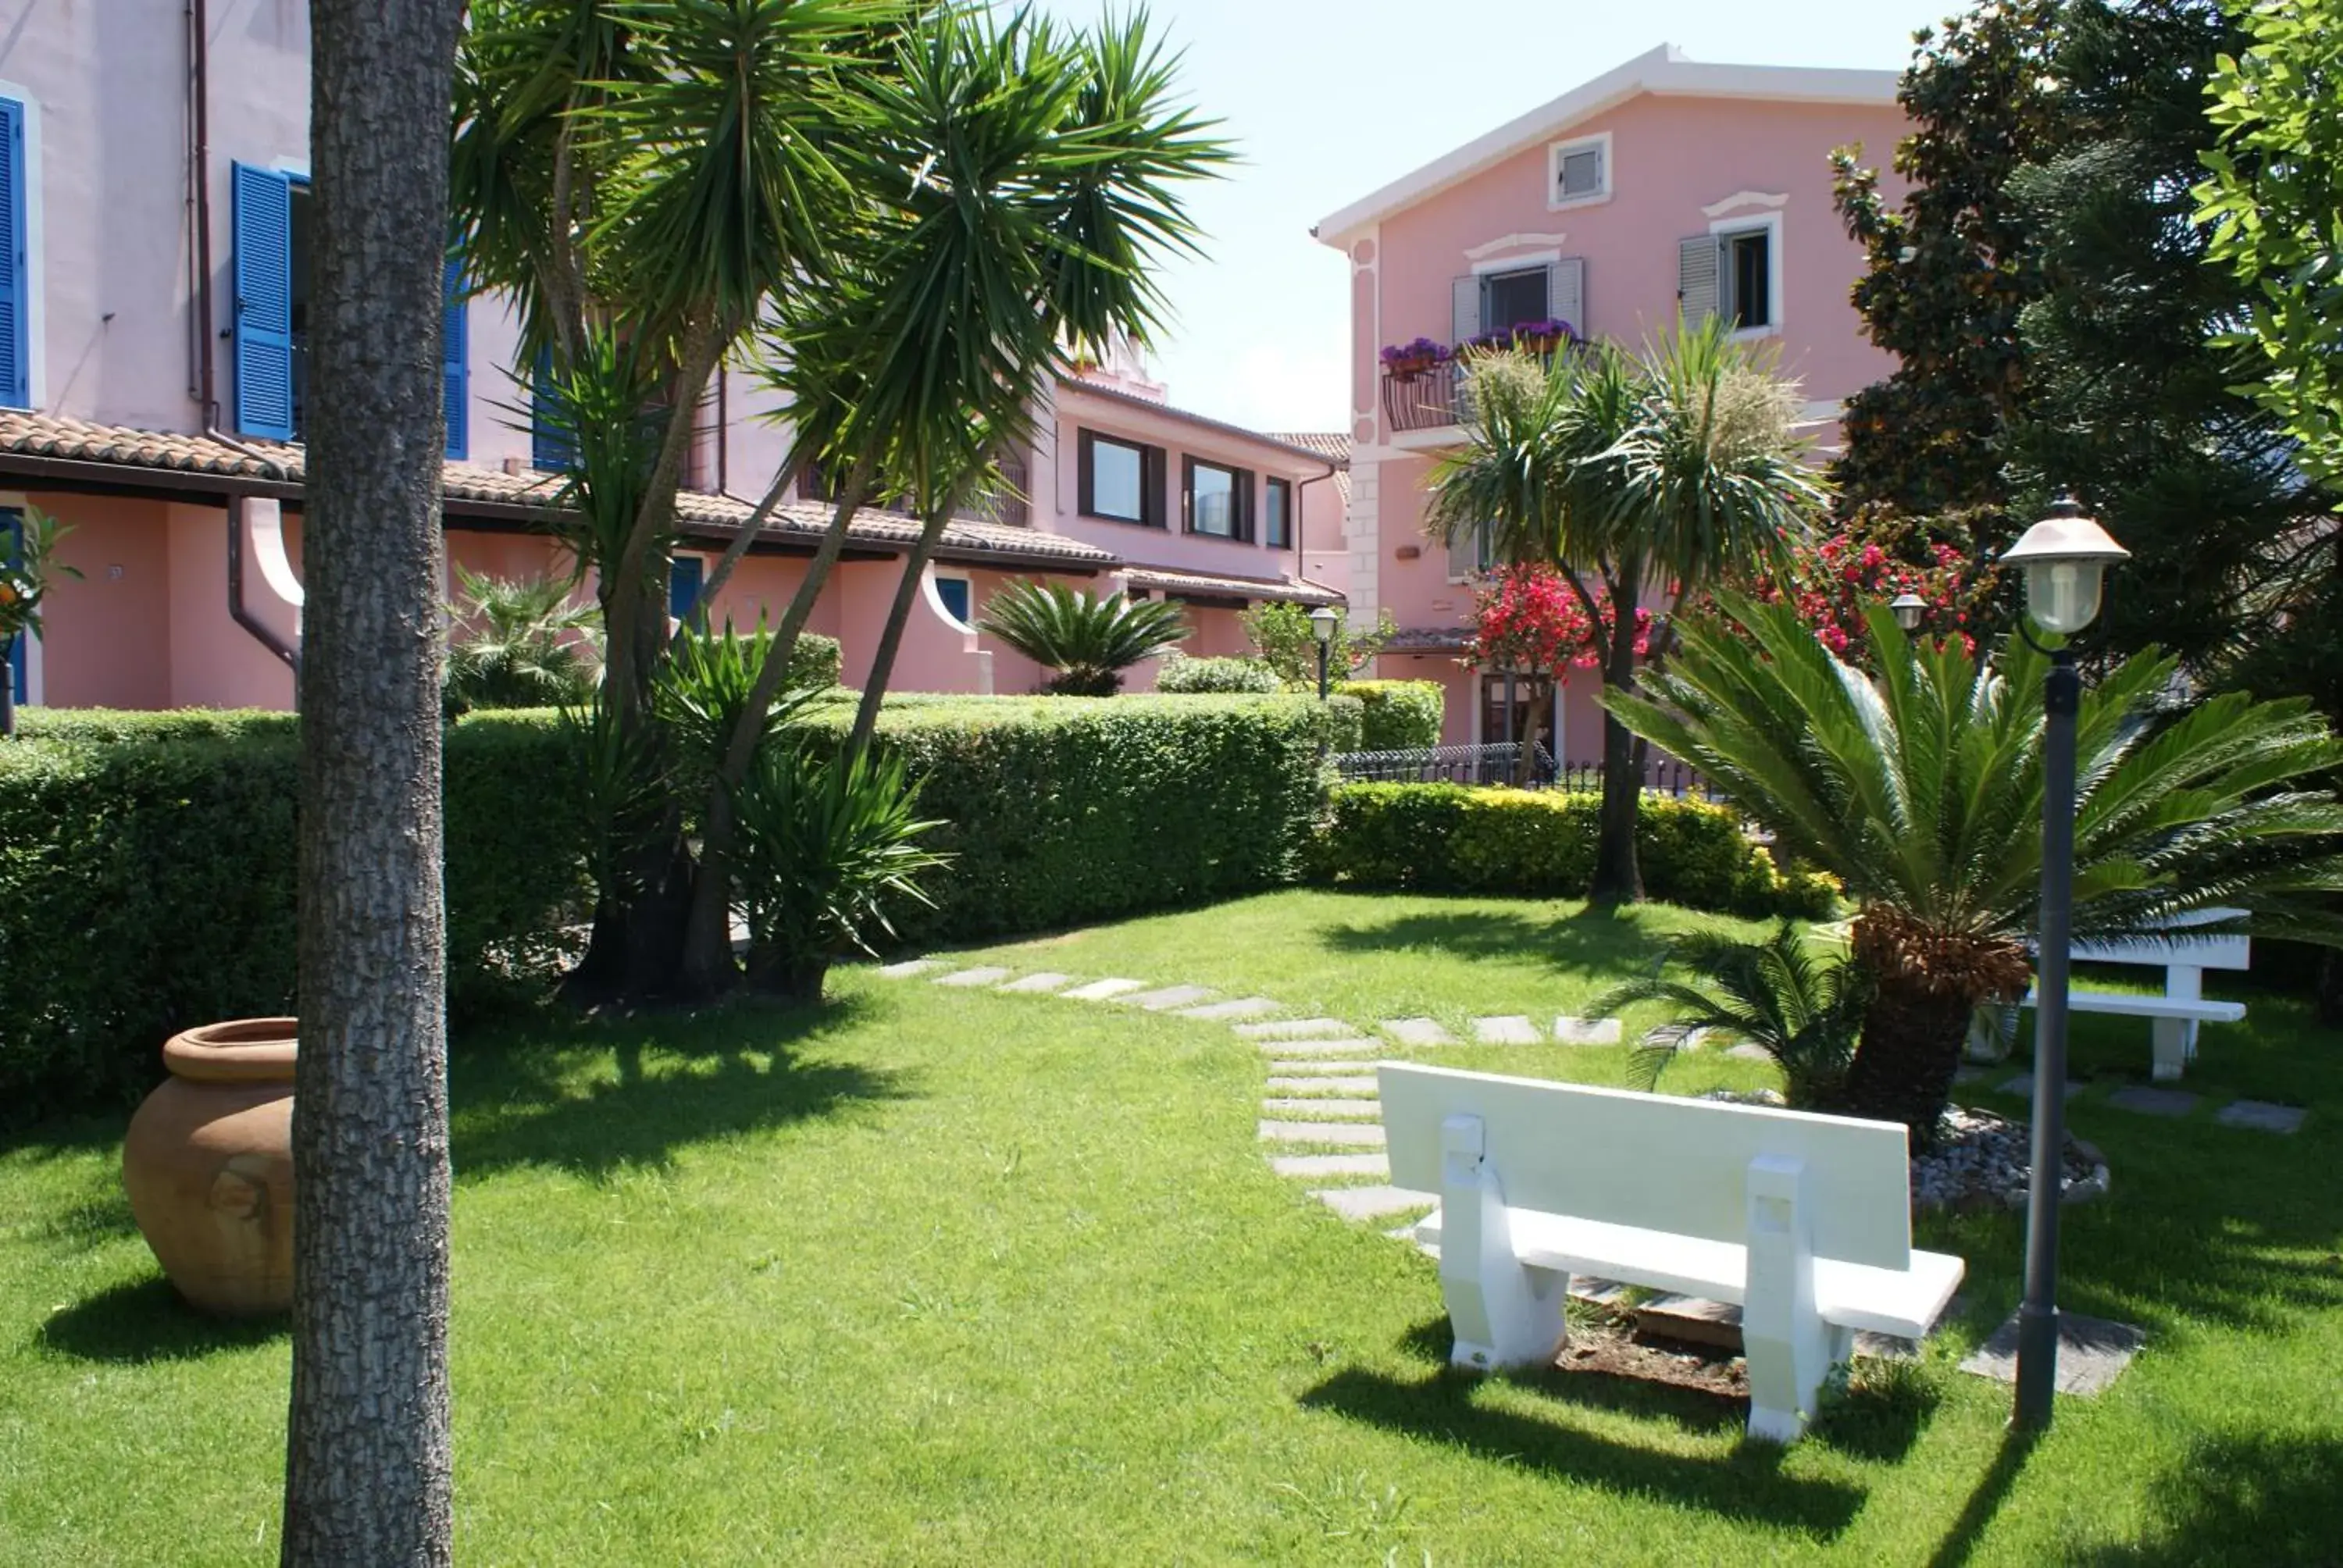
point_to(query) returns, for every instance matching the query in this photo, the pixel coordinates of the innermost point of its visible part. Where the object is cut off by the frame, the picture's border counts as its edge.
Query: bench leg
(1790, 1349)
(1505, 1315)
(2185, 982)
(2170, 1036)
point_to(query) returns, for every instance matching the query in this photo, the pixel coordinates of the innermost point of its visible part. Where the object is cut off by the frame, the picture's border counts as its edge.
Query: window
(1277, 513)
(1734, 271)
(957, 596)
(16, 265)
(1496, 299)
(1122, 481)
(686, 576)
(551, 448)
(270, 221)
(1217, 500)
(1748, 272)
(1510, 299)
(20, 650)
(1472, 552)
(1579, 171)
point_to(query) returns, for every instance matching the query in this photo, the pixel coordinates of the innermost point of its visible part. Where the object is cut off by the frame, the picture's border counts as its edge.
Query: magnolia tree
(1530, 623)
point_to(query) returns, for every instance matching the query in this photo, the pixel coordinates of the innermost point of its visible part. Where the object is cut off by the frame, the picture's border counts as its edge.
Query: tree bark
(899, 614)
(1927, 986)
(1618, 876)
(368, 1475)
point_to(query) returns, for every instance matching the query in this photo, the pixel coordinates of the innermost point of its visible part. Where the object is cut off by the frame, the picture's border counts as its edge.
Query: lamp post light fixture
(2066, 556)
(1322, 622)
(1910, 609)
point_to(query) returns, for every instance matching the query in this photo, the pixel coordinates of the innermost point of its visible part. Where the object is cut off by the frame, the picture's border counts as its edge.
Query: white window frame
(1770, 224)
(1554, 200)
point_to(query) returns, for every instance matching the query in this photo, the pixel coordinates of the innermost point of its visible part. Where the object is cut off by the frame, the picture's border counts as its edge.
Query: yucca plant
(1920, 788)
(1802, 1008)
(827, 845)
(708, 681)
(1087, 640)
(518, 642)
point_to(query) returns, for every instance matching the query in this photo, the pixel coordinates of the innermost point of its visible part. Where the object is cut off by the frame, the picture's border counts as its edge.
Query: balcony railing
(1426, 399)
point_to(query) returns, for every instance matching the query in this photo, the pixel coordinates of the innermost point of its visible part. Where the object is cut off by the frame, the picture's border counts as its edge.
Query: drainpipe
(1301, 510)
(199, 203)
(259, 630)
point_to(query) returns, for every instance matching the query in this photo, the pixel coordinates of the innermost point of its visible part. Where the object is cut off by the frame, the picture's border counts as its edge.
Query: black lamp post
(2064, 555)
(1322, 622)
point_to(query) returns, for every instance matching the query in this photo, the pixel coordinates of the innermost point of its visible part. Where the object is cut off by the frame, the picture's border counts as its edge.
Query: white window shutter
(1699, 278)
(1466, 308)
(1565, 293)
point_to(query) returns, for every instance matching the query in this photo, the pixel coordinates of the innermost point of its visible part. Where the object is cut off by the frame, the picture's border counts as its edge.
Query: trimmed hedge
(1401, 715)
(1448, 839)
(1061, 811)
(147, 882)
(1182, 675)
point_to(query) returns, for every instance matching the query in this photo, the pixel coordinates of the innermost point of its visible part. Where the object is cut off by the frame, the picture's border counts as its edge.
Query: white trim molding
(1769, 223)
(1740, 199)
(1515, 262)
(1555, 154)
(1515, 242)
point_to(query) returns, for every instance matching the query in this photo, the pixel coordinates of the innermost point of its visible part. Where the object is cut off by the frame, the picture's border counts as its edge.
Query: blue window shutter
(20, 665)
(262, 215)
(16, 264)
(551, 449)
(454, 346)
(684, 577)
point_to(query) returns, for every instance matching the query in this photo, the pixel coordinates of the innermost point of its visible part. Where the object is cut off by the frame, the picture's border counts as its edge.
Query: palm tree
(1661, 472)
(1920, 788)
(518, 642)
(1804, 1010)
(1089, 641)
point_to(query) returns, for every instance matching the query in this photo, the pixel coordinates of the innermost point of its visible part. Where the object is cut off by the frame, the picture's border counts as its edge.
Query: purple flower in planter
(1423, 350)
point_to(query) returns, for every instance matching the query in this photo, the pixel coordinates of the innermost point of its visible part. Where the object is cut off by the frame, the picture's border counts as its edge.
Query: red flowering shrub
(1532, 623)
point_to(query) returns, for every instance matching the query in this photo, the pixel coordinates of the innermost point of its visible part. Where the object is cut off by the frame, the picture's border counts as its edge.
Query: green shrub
(1058, 810)
(1401, 715)
(815, 662)
(147, 883)
(1447, 838)
(1184, 675)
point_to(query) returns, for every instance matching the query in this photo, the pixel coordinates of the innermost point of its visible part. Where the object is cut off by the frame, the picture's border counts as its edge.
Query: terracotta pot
(208, 1165)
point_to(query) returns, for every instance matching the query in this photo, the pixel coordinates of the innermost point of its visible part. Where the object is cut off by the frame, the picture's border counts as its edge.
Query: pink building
(154, 230)
(1662, 185)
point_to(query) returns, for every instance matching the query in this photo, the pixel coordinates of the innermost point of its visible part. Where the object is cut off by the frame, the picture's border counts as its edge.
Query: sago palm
(1920, 788)
(1089, 641)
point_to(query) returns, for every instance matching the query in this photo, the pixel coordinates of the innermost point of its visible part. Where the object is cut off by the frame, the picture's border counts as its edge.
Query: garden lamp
(1322, 622)
(2066, 556)
(1910, 609)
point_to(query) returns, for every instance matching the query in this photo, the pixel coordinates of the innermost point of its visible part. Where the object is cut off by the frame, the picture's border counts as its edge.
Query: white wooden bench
(2175, 1016)
(1805, 1221)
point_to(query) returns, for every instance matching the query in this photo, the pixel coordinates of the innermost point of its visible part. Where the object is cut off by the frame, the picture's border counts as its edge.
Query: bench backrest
(2229, 951)
(1653, 1160)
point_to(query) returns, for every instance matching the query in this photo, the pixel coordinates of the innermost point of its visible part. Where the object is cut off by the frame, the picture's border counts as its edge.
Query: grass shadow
(1432, 1341)
(146, 1320)
(1881, 1411)
(2263, 1499)
(1984, 1500)
(1593, 940)
(1747, 1486)
(599, 1094)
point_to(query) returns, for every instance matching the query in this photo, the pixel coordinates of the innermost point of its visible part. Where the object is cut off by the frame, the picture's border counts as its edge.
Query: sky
(1328, 100)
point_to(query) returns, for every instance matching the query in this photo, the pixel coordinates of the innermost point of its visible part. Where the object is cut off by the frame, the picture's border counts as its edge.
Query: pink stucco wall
(108, 642)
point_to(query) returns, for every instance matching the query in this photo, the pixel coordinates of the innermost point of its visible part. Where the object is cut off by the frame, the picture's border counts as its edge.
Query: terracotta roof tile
(1331, 445)
(1209, 585)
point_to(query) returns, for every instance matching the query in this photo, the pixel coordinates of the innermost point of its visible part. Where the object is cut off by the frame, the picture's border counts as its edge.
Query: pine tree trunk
(1618, 878)
(368, 1471)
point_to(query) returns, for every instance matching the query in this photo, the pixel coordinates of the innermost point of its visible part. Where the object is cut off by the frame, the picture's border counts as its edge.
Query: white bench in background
(2175, 1016)
(1805, 1221)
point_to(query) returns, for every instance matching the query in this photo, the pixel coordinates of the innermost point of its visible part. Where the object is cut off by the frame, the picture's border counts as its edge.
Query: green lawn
(948, 1277)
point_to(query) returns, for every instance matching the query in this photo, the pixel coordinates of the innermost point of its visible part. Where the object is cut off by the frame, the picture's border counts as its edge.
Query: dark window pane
(1515, 298)
(1276, 504)
(1212, 502)
(1115, 483)
(1751, 280)
(954, 592)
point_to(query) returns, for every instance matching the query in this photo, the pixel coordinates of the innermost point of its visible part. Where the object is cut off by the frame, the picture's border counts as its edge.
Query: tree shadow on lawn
(672, 1080)
(1614, 943)
(1746, 1484)
(2263, 1499)
(144, 1320)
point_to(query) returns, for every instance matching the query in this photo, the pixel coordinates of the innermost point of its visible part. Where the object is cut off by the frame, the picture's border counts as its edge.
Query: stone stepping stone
(1365, 1134)
(1296, 1029)
(1586, 1031)
(909, 967)
(1320, 1046)
(1749, 1051)
(975, 977)
(1371, 1202)
(1968, 1074)
(1360, 1085)
(1044, 981)
(1166, 997)
(1308, 1166)
(1417, 1031)
(1296, 1106)
(1105, 990)
(2261, 1116)
(2023, 1086)
(2092, 1352)
(1512, 1029)
(2153, 1101)
(1242, 1007)
(1694, 1318)
(1308, 1065)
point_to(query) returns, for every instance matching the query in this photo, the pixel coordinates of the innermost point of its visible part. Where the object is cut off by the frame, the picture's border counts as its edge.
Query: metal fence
(1495, 763)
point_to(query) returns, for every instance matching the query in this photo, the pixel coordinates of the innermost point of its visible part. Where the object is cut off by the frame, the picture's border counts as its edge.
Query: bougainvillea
(1531, 621)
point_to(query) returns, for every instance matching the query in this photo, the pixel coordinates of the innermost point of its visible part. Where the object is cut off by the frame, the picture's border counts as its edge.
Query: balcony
(1430, 399)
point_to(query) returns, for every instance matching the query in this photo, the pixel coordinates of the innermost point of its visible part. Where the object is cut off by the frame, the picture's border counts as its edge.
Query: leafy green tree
(1946, 271)
(1283, 639)
(1087, 640)
(2274, 206)
(1631, 476)
(1920, 788)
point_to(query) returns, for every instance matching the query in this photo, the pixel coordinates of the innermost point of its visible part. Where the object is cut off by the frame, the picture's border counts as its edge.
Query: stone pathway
(2148, 1100)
